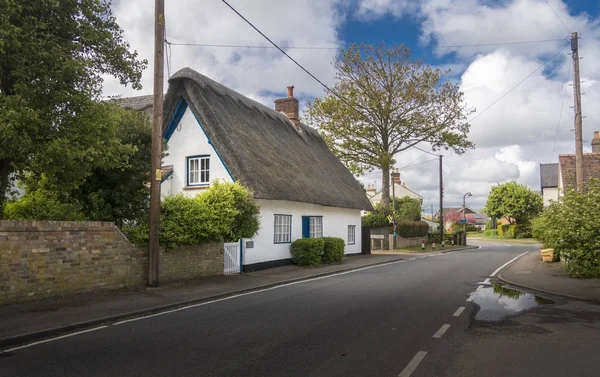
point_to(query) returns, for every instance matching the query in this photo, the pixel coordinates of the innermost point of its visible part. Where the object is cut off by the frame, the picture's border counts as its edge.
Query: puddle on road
(497, 302)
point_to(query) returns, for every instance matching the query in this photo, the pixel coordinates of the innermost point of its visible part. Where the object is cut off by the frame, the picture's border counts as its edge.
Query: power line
(338, 47)
(410, 163)
(561, 112)
(557, 16)
(519, 83)
(423, 150)
(420, 163)
(285, 53)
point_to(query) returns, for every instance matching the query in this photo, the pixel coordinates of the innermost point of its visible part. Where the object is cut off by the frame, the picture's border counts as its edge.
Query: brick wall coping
(52, 226)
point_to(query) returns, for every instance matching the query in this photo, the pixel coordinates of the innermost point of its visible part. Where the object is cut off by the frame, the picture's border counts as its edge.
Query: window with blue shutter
(305, 226)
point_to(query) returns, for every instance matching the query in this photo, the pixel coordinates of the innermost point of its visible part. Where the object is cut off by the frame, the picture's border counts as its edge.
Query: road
(378, 321)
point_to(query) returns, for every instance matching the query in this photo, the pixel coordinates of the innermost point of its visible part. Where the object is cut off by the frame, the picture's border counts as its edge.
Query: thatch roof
(261, 147)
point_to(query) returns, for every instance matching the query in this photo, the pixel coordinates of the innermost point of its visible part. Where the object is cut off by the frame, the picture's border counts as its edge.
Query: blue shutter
(305, 226)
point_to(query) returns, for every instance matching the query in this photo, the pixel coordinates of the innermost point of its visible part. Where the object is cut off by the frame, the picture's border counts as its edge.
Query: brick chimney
(596, 142)
(289, 106)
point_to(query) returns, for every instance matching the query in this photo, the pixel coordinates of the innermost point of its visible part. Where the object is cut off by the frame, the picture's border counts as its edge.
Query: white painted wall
(550, 193)
(335, 224)
(189, 140)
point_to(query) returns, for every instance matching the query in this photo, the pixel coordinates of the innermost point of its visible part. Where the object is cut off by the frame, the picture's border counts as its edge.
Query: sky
(524, 113)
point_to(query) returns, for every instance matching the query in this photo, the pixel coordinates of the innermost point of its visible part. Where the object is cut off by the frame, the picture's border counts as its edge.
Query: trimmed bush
(225, 211)
(491, 233)
(308, 251)
(408, 229)
(333, 249)
(504, 230)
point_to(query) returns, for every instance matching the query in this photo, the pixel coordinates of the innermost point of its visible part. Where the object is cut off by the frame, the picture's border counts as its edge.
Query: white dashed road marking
(414, 363)
(441, 331)
(459, 311)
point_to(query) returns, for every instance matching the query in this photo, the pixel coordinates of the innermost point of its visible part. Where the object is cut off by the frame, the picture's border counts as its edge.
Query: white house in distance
(549, 182)
(303, 190)
(555, 177)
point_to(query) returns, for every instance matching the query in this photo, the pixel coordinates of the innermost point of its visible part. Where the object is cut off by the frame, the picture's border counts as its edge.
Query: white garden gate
(232, 258)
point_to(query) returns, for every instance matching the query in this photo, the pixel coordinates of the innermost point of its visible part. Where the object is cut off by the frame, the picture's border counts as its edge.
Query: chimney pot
(290, 91)
(596, 142)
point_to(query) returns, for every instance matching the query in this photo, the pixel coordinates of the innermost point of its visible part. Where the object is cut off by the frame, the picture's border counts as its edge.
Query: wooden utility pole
(395, 179)
(441, 203)
(578, 117)
(157, 120)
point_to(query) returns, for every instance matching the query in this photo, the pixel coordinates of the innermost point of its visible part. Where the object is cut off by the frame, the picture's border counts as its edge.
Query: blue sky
(530, 125)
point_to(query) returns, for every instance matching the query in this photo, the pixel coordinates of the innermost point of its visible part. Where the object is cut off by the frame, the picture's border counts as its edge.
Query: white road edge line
(441, 331)
(413, 258)
(413, 364)
(479, 287)
(459, 311)
(258, 291)
(507, 263)
(470, 298)
(52, 339)
(486, 281)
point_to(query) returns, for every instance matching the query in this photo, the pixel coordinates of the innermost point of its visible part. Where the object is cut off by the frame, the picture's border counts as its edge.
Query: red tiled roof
(591, 167)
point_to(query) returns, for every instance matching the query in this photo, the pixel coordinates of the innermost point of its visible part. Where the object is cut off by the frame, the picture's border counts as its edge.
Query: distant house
(303, 190)
(400, 191)
(433, 226)
(554, 178)
(549, 182)
(455, 212)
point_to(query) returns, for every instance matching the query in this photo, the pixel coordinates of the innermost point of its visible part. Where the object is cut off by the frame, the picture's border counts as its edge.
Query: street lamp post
(465, 212)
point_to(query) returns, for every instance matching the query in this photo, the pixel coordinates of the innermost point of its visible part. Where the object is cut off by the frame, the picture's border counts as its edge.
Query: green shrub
(408, 229)
(333, 249)
(225, 211)
(489, 225)
(308, 251)
(378, 217)
(570, 228)
(491, 233)
(37, 205)
(472, 228)
(504, 230)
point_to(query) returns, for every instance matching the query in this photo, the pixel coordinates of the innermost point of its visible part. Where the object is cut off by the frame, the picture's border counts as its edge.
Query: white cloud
(250, 71)
(512, 137)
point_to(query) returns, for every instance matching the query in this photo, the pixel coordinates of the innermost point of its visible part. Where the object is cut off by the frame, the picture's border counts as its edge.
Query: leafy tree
(389, 103)
(53, 55)
(408, 208)
(515, 202)
(116, 194)
(38, 205)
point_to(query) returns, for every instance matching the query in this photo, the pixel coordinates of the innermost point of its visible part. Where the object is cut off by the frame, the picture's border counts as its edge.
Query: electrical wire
(288, 56)
(557, 16)
(519, 83)
(423, 150)
(410, 163)
(338, 47)
(420, 163)
(561, 111)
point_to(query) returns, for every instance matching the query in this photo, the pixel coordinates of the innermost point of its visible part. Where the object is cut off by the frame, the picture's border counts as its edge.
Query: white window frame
(200, 173)
(351, 234)
(282, 232)
(316, 227)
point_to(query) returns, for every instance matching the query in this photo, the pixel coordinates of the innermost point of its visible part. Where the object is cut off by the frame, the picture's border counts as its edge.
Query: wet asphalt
(367, 323)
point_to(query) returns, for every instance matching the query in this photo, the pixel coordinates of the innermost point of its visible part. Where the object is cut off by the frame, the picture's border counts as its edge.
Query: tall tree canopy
(389, 103)
(53, 55)
(515, 202)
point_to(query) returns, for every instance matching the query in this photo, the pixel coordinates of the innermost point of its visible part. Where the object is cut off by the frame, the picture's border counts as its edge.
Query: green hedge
(333, 249)
(308, 251)
(571, 228)
(408, 229)
(492, 233)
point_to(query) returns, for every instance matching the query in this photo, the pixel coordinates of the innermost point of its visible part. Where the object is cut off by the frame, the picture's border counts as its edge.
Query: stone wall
(409, 242)
(40, 259)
